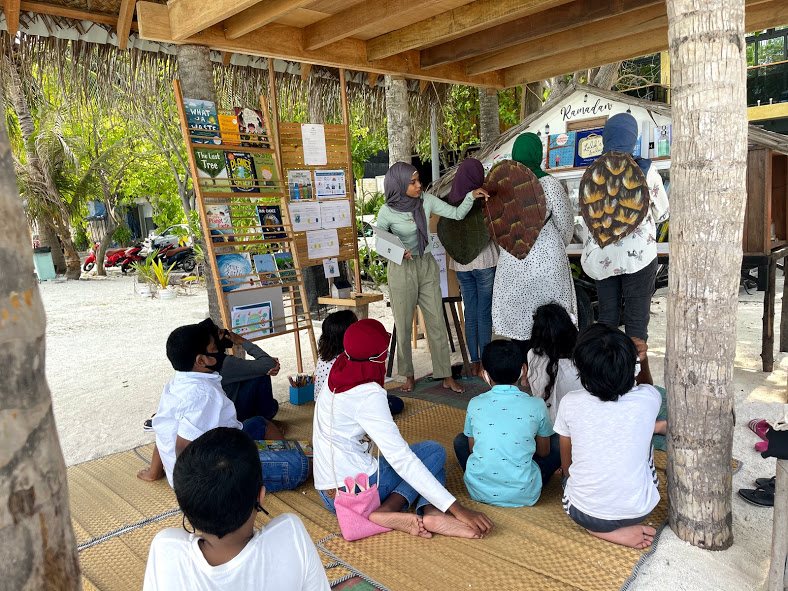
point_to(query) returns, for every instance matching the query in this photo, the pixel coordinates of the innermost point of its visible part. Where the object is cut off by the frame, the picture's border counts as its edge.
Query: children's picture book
(284, 262)
(241, 171)
(561, 150)
(284, 445)
(212, 171)
(589, 146)
(265, 265)
(267, 177)
(330, 183)
(270, 217)
(202, 115)
(253, 320)
(299, 185)
(235, 271)
(228, 126)
(220, 222)
(251, 124)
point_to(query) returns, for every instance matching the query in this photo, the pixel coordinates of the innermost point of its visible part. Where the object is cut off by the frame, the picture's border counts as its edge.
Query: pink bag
(353, 509)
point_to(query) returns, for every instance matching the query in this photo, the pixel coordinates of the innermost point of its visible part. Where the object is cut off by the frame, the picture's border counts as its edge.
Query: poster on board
(313, 137)
(299, 185)
(330, 184)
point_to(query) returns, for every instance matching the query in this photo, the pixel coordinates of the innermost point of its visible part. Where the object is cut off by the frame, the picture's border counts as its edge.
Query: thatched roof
(756, 136)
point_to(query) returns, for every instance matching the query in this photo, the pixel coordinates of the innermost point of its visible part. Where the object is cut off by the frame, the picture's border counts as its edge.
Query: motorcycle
(132, 254)
(180, 256)
(112, 258)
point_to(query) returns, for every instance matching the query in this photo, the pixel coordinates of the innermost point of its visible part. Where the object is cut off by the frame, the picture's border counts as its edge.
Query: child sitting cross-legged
(505, 447)
(606, 448)
(219, 485)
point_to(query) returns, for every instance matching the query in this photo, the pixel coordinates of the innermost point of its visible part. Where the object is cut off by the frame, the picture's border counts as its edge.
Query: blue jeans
(431, 454)
(282, 470)
(477, 291)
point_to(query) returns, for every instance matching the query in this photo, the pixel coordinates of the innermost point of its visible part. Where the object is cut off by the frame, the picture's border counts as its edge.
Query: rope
(355, 572)
(126, 529)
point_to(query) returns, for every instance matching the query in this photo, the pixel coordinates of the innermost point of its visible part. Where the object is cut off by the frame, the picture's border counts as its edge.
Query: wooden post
(778, 569)
(350, 182)
(206, 231)
(784, 311)
(767, 345)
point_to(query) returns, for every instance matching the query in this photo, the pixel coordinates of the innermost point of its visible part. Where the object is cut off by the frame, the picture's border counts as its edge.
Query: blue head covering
(620, 135)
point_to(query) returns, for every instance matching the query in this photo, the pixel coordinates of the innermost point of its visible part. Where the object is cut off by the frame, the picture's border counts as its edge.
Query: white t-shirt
(566, 380)
(635, 251)
(321, 374)
(361, 410)
(191, 404)
(612, 474)
(280, 557)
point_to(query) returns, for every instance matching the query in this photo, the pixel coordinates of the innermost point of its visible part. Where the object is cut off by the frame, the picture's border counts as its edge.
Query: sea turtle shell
(464, 239)
(614, 197)
(516, 209)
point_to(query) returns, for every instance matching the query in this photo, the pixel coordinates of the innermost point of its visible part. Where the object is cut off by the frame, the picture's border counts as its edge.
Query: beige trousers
(417, 281)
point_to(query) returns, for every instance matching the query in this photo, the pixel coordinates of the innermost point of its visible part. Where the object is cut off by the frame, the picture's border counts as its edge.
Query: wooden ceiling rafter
(189, 17)
(260, 15)
(11, 11)
(125, 16)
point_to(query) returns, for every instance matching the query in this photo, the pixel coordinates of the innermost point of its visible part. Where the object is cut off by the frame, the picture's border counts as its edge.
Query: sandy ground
(106, 368)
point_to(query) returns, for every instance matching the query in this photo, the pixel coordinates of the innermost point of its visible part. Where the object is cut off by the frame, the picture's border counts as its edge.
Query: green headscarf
(527, 150)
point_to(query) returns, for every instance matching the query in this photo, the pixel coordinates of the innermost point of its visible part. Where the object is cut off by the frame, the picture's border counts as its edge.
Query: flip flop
(762, 446)
(765, 484)
(759, 427)
(757, 497)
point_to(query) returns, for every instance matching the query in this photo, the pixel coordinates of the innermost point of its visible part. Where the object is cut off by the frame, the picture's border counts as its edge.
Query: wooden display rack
(247, 236)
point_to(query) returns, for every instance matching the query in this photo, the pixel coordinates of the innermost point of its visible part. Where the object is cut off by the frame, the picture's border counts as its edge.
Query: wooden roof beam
(285, 42)
(11, 11)
(560, 18)
(260, 15)
(759, 15)
(189, 17)
(358, 17)
(125, 16)
(470, 18)
(633, 23)
(373, 79)
(65, 12)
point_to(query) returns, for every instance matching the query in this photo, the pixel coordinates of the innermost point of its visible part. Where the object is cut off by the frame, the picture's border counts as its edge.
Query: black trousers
(635, 291)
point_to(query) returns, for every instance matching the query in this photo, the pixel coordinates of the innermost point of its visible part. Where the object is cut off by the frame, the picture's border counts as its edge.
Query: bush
(122, 235)
(373, 266)
(81, 239)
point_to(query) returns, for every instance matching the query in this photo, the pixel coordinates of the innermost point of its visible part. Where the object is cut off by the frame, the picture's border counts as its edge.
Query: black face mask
(219, 360)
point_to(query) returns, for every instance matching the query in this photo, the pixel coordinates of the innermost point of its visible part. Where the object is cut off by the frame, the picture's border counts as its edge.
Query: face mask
(219, 360)
(225, 343)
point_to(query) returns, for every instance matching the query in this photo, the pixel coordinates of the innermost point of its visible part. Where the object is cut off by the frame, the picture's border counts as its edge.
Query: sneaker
(147, 426)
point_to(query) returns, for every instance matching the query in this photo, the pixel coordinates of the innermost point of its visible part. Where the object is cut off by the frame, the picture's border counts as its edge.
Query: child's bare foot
(149, 475)
(634, 536)
(660, 428)
(409, 384)
(410, 523)
(442, 523)
(452, 383)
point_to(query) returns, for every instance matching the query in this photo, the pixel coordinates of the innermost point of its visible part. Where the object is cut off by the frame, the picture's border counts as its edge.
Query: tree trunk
(532, 99)
(398, 120)
(73, 262)
(48, 237)
(489, 118)
(39, 547)
(195, 71)
(708, 178)
(607, 76)
(101, 251)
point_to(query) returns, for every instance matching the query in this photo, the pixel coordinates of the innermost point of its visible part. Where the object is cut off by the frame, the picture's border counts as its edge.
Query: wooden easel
(248, 237)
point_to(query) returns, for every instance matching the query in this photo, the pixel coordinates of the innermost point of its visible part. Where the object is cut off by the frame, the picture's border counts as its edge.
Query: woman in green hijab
(544, 276)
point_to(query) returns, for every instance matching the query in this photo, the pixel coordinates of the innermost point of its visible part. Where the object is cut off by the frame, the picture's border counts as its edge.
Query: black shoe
(766, 484)
(757, 497)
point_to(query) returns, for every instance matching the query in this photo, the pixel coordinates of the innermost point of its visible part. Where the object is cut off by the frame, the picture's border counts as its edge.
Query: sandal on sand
(766, 484)
(759, 427)
(757, 497)
(762, 446)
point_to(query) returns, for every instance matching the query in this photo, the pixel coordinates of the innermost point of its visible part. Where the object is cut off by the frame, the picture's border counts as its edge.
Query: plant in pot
(162, 277)
(146, 279)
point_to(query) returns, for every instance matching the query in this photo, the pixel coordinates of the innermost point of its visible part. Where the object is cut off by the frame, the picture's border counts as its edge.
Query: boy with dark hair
(606, 449)
(193, 402)
(505, 447)
(219, 486)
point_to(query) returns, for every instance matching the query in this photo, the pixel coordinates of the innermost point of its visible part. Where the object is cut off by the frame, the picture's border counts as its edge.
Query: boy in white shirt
(219, 485)
(193, 402)
(606, 449)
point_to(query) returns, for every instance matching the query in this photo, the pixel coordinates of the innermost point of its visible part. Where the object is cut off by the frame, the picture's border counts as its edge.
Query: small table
(357, 303)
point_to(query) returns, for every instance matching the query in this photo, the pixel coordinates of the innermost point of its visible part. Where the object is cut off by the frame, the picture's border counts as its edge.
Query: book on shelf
(270, 217)
(220, 222)
(267, 176)
(212, 171)
(241, 171)
(201, 115)
(252, 126)
(265, 266)
(228, 126)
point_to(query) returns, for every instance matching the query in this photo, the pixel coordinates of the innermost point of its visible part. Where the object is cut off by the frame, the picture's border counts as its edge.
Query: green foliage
(369, 203)
(122, 235)
(373, 266)
(365, 143)
(81, 238)
(162, 277)
(144, 269)
(509, 106)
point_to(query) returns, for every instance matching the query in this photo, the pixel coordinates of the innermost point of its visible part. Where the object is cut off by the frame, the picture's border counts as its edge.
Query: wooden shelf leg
(448, 328)
(466, 364)
(784, 311)
(767, 350)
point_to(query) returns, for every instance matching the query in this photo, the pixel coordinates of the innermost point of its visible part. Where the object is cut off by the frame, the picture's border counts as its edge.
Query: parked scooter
(113, 257)
(181, 256)
(132, 254)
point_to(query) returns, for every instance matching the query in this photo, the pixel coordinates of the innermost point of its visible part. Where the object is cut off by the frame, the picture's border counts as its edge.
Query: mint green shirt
(403, 226)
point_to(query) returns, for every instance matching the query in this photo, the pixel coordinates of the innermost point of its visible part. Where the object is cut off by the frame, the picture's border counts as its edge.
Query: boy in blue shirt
(505, 446)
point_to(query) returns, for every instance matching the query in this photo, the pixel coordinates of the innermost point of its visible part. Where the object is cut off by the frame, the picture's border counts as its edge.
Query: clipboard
(388, 246)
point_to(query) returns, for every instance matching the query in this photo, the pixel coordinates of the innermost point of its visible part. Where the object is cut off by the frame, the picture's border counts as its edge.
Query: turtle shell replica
(464, 239)
(614, 197)
(516, 209)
